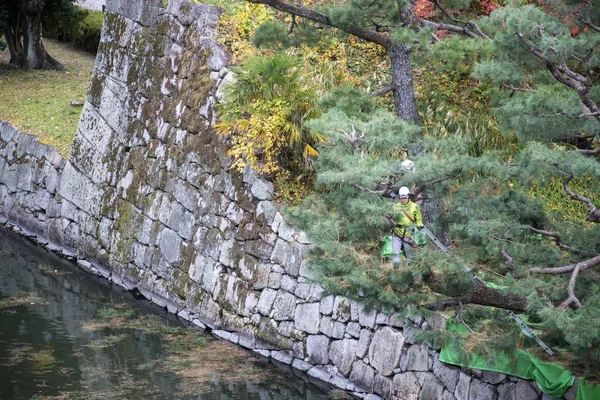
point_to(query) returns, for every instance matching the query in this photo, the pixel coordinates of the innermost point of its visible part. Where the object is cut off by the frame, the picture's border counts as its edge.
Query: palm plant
(263, 114)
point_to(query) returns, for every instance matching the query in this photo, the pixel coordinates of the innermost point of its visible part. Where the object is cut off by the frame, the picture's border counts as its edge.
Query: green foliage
(453, 104)
(80, 27)
(88, 35)
(271, 34)
(264, 112)
(237, 24)
(489, 211)
(539, 106)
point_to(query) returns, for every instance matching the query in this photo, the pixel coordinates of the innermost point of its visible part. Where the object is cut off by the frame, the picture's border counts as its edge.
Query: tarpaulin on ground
(551, 378)
(587, 391)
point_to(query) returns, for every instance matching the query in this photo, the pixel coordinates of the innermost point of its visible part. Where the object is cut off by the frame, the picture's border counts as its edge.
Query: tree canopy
(524, 216)
(391, 24)
(21, 23)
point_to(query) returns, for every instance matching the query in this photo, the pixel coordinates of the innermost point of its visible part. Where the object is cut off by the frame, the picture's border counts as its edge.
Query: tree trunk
(15, 48)
(24, 36)
(36, 55)
(402, 83)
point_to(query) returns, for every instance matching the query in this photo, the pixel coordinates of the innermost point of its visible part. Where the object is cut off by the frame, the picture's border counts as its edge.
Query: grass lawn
(39, 102)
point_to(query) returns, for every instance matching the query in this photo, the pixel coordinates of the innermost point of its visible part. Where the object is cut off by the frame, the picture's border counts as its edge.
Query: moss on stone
(127, 223)
(95, 91)
(197, 299)
(269, 334)
(178, 284)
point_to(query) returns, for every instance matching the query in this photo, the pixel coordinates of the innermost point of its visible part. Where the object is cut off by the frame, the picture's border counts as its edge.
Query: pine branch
(377, 192)
(507, 257)
(449, 27)
(565, 76)
(459, 320)
(517, 89)
(292, 25)
(556, 237)
(572, 299)
(582, 266)
(561, 113)
(589, 152)
(465, 23)
(354, 139)
(381, 91)
(417, 190)
(592, 215)
(481, 295)
(313, 15)
(591, 25)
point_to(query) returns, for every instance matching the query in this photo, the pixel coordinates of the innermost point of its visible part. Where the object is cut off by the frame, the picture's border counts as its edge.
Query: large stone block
(284, 306)
(289, 256)
(80, 190)
(341, 309)
(462, 387)
(447, 374)
(481, 391)
(418, 358)
(317, 348)
(307, 317)
(405, 386)
(363, 376)
(95, 130)
(385, 350)
(343, 354)
(432, 388)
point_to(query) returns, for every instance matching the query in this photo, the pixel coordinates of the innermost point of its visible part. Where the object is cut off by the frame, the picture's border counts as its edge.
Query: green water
(65, 334)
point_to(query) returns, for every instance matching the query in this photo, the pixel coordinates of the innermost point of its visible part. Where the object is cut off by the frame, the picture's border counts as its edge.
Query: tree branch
(484, 296)
(377, 192)
(589, 23)
(448, 27)
(382, 90)
(516, 89)
(582, 266)
(465, 23)
(558, 114)
(592, 215)
(572, 299)
(567, 77)
(589, 152)
(556, 237)
(313, 15)
(417, 190)
(507, 257)
(459, 320)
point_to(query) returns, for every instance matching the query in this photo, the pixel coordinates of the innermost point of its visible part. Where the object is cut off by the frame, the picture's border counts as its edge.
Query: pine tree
(497, 227)
(547, 65)
(391, 24)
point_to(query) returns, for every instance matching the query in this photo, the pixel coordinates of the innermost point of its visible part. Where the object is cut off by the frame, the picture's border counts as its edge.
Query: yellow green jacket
(402, 221)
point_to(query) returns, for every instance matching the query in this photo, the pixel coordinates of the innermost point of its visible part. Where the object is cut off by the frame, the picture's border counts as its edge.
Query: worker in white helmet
(407, 216)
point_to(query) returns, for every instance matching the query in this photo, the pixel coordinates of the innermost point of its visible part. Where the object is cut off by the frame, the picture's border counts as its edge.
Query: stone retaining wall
(147, 199)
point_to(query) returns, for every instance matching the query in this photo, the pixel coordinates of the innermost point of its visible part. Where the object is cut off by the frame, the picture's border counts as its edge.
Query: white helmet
(403, 192)
(407, 166)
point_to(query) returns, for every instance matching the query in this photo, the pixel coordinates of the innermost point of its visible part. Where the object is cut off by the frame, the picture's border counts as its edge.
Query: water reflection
(67, 335)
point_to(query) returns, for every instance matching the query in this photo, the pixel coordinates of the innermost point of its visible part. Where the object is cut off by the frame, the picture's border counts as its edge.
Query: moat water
(65, 334)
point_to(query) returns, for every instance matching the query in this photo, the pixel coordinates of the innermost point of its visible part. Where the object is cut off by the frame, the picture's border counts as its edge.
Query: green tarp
(551, 378)
(587, 391)
(386, 246)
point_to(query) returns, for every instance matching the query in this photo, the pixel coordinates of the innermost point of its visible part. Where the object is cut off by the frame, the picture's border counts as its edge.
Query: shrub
(263, 115)
(88, 34)
(80, 27)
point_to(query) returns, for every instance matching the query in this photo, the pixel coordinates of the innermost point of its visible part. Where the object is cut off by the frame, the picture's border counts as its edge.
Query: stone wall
(147, 199)
(29, 177)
